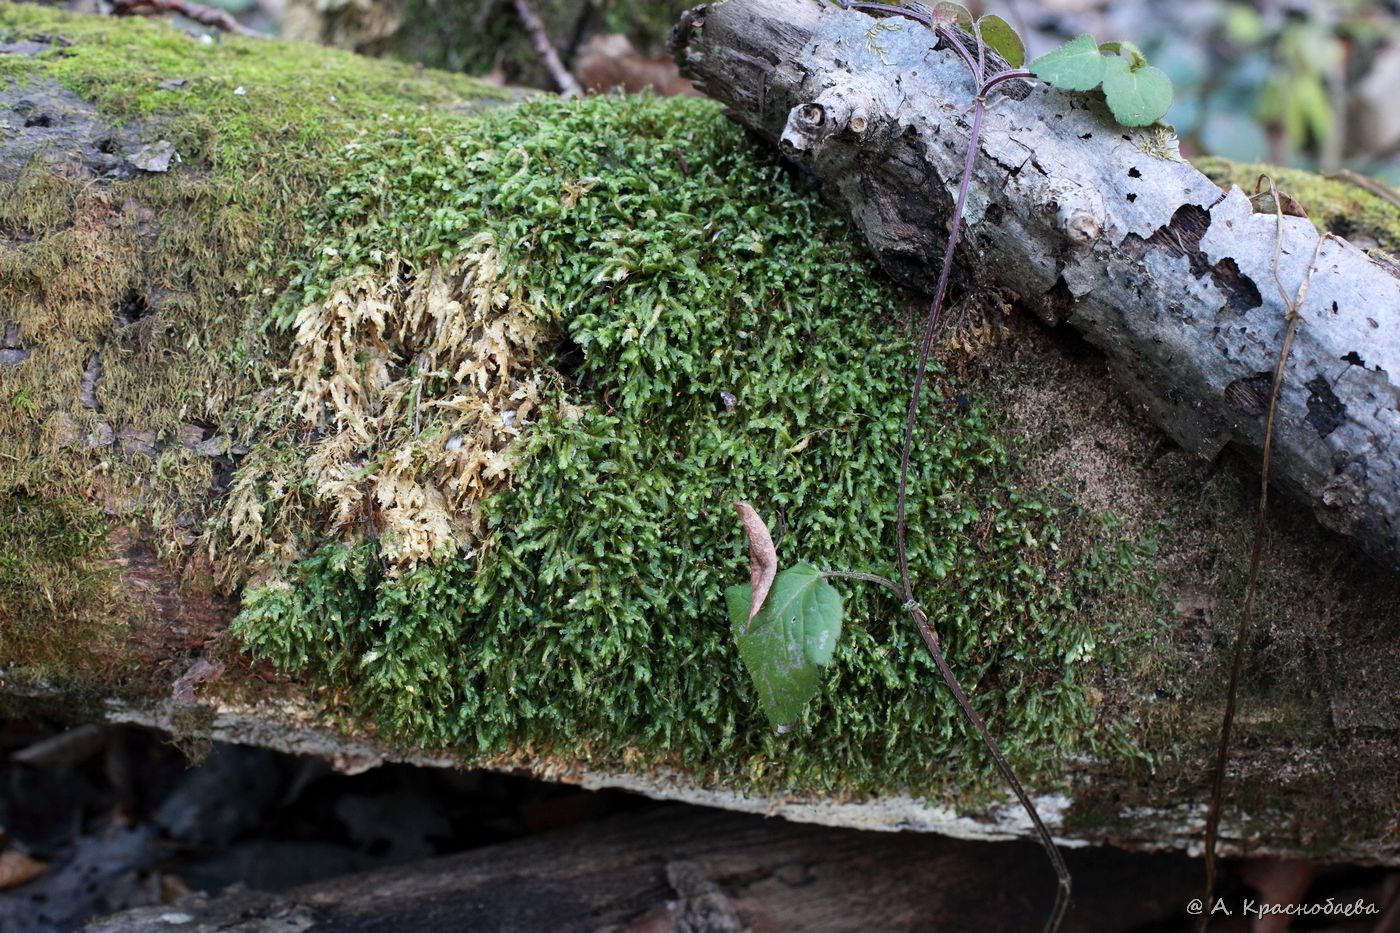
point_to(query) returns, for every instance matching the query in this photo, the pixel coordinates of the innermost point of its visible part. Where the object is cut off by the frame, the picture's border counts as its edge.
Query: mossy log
(396, 401)
(1185, 287)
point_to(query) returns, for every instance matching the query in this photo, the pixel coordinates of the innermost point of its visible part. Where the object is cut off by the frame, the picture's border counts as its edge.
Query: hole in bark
(1058, 300)
(1087, 136)
(1132, 198)
(1325, 411)
(39, 119)
(1335, 309)
(1250, 395)
(1354, 359)
(1071, 343)
(1241, 294)
(1134, 173)
(994, 214)
(132, 308)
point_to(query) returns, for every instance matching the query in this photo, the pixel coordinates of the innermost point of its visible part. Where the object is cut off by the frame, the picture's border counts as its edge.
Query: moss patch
(720, 336)
(1333, 205)
(135, 299)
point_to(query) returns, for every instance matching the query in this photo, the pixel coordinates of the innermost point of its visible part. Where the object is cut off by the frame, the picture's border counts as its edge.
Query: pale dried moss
(409, 387)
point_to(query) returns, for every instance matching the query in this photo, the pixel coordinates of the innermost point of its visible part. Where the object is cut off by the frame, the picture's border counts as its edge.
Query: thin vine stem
(1222, 751)
(905, 588)
(1062, 875)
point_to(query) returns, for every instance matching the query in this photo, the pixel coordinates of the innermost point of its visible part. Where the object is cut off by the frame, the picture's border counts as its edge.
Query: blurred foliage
(476, 36)
(1272, 81)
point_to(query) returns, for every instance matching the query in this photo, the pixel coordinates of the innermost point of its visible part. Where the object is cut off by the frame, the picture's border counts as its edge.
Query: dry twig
(1222, 753)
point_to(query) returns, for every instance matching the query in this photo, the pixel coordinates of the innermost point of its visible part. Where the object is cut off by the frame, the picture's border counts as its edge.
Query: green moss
(254, 124)
(1333, 205)
(51, 568)
(683, 265)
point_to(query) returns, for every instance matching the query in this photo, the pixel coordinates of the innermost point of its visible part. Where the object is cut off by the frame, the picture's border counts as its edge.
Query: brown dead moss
(409, 387)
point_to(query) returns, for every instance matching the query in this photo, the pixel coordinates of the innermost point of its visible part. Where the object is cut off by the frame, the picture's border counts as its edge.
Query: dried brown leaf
(763, 556)
(16, 869)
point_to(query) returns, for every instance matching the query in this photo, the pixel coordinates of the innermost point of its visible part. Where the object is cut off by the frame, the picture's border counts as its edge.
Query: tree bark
(1094, 225)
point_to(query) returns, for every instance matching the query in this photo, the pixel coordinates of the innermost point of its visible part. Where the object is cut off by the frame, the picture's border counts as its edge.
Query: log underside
(702, 870)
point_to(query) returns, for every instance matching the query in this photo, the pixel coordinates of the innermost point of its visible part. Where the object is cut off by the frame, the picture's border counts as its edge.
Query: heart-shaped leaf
(1074, 66)
(763, 557)
(789, 641)
(998, 36)
(1137, 97)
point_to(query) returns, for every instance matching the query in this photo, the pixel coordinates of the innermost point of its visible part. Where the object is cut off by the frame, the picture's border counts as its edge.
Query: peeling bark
(1090, 224)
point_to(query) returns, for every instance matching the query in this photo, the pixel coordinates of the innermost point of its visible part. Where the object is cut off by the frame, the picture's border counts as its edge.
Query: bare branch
(203, 15)
(568, 84)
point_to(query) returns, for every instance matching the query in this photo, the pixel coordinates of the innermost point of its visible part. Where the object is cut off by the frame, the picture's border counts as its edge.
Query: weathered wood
(1091, 224)
(693, 869)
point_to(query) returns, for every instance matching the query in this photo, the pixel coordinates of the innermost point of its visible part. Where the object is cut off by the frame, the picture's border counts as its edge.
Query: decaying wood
(1091, 224)
(694, 869)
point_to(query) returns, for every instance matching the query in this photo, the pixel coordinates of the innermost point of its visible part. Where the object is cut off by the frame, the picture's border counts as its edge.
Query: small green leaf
(947, 13)
(789, 641)
(998, 35)
(1137, 97)
(1074, 66)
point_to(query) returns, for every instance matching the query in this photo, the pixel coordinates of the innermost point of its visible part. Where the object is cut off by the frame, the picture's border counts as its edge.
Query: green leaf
(998, 35)
(1074, 66)
(1137, 97)
(947, 13)
(789, 641)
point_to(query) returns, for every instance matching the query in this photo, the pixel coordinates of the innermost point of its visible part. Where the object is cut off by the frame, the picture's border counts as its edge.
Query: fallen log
(162, 227)
(1092, 224)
